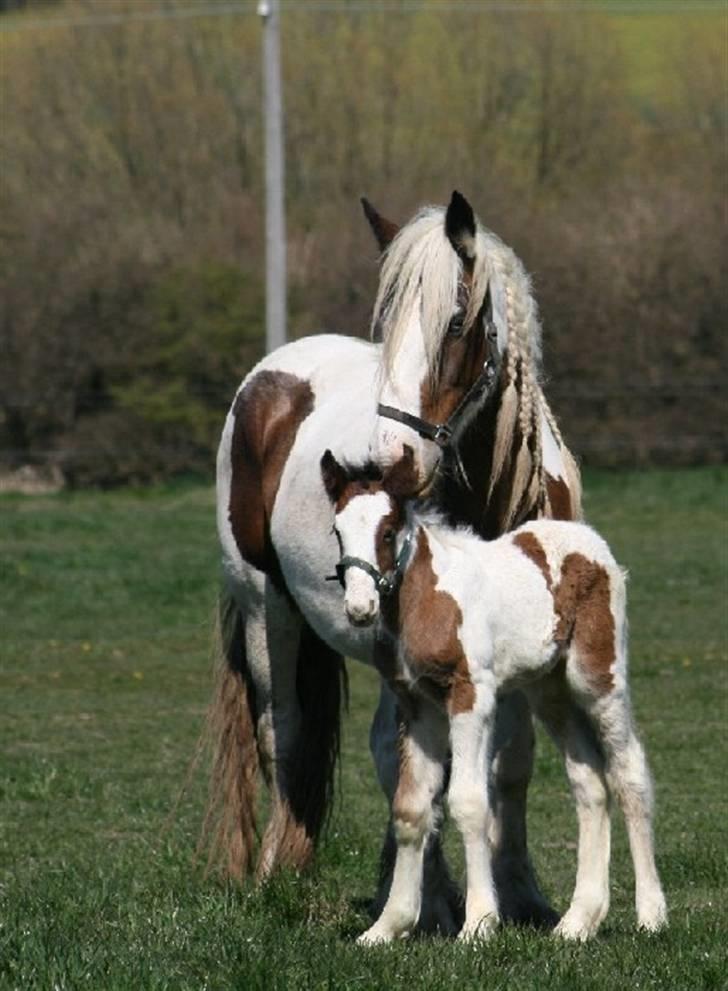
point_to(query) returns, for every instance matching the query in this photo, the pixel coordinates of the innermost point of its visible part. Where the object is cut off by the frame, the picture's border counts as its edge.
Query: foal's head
(434, 315)
(369, 517)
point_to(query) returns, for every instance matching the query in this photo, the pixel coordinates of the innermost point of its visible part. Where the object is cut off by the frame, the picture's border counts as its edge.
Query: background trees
(131, 248)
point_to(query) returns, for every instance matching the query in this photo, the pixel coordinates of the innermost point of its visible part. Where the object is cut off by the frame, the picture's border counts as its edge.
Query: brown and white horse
(456, 377)
(542, 609)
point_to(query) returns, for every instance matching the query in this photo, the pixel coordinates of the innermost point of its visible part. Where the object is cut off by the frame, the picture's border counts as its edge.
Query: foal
(541, 609)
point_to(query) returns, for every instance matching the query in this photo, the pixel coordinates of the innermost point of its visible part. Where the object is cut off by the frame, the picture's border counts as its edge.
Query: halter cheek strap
(446, 435)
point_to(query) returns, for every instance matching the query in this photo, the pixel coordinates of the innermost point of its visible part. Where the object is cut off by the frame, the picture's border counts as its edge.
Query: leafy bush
(131, 226)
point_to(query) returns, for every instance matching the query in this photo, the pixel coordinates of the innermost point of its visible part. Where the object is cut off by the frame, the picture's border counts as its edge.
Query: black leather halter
(447, 435)
(384, 584)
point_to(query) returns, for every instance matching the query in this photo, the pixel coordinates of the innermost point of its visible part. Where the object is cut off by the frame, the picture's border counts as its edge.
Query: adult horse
(456, 377)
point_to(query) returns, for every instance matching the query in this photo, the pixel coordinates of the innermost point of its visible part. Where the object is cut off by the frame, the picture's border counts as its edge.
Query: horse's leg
(467, 798)
(441, 909)
(422, 753)
(629, 779)
(585, 767)
(272, 635)
(298, 682)
(519, 896)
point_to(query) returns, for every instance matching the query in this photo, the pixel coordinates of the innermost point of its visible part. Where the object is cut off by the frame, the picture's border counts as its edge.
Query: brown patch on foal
(582, 604)
(429, 622)
(268, 411)
(559, 498)
(532, 548)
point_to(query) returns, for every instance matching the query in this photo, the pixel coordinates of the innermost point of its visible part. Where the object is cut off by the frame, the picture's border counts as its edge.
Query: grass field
(106, 605)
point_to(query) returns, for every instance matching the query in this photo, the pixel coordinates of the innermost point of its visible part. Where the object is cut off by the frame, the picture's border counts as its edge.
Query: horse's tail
(229, 828)
(305, 784)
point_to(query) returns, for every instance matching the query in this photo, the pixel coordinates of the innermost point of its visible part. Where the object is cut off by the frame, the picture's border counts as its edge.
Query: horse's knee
(469, 808)
(413, 816)
(277, 735)
(587, 785)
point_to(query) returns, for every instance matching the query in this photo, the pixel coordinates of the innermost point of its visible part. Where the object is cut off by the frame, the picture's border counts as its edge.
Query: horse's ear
(333, 476)
(385, 230)
(400, 479)
(460, 227)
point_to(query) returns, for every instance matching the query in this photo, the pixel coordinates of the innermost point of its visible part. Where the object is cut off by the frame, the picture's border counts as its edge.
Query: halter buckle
(442, 434)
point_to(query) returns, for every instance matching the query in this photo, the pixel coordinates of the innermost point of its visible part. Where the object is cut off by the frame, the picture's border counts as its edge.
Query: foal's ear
(385, 230)
(460, 228)
(400, 479)
(333, 476)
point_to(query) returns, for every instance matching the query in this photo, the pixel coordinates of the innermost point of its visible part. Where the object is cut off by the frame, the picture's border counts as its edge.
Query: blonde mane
(420, 268)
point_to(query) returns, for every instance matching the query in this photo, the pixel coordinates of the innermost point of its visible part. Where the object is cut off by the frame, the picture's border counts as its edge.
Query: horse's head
(434, 313)
(369, 519)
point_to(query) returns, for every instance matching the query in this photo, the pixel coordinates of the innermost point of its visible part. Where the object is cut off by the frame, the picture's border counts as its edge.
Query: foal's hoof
(652, 914)
(578, 926)
(479, 930)
(375, 936)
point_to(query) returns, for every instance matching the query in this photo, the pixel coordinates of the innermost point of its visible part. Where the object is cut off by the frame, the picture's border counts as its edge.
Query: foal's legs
(629, 779)
(468, 802)
(584, 762)
(519, 897)
(441, 909)
(422, 755)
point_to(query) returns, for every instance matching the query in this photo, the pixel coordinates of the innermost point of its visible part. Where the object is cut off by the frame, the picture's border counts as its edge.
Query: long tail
(300, 814)
(229, 827)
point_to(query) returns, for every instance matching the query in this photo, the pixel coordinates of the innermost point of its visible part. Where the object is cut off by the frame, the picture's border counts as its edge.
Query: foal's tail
(306, 781)
(229, 828)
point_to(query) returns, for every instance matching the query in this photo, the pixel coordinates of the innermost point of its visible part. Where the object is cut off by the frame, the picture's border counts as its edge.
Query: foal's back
(548, 589)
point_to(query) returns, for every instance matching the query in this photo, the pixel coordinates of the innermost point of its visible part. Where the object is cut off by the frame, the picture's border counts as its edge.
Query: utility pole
(275, 219)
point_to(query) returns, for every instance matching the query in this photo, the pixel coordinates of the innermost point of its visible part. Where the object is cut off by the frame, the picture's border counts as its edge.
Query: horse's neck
(472, 502)
(468, 502)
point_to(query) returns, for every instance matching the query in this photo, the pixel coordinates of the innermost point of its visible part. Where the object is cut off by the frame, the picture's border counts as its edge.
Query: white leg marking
(423, 750)
(468, 801)
(590, 901)
(629, 778)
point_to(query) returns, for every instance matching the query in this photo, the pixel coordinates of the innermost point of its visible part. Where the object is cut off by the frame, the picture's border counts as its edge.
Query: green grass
(106, 604)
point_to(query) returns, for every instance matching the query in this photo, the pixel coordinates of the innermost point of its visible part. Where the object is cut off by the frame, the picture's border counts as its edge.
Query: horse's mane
(420, 262)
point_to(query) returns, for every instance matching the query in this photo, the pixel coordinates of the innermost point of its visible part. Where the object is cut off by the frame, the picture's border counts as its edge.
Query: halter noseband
(446, 435)
(384, 584)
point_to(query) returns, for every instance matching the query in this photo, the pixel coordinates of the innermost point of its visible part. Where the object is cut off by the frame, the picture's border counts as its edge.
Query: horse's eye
(455, 327)
(388, 536)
